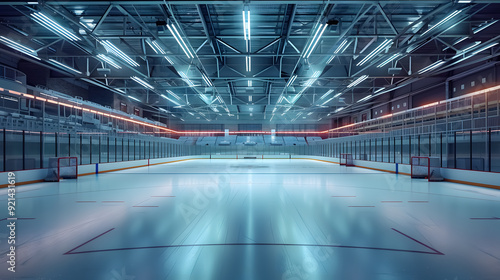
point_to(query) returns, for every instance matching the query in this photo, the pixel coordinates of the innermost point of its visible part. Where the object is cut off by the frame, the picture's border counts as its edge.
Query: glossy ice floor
(254, 219)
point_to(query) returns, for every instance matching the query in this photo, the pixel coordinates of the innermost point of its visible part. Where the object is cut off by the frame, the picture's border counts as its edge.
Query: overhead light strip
(365, 98)
(326, 94)
(357, 81)
(109, 61)
(18, 47)
(484, 48)
(53, 26)
(430, 67)
(207, 80)
(246, 24)
(446, 19)
(248, 63)
(387, 61)
(484, 26)
(142, 82)
(291, 80)
(377, 50)
(117, 52)
(340, 49)
(133, 98)
(179, 40)
(327, 101)
(186, 79)
(317, 36)
(174, 95)
(64, 66)
(171, 100)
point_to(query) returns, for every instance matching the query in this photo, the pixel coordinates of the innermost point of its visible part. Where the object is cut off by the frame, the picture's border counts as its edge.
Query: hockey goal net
(346, 159)
(426, 168)
(62, 168)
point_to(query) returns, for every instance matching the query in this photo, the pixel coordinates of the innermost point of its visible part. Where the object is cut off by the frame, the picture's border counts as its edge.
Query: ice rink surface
(253, 219)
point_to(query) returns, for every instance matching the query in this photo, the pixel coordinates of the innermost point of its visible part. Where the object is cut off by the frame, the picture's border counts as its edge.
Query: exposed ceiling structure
(278, 61)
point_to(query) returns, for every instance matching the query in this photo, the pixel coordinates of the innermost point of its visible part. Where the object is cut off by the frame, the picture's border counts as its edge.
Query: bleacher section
(233, 140)
(270, 140)
(250, 140)
(226, 140)
(206, 141)
(313, 140)
(294, 141)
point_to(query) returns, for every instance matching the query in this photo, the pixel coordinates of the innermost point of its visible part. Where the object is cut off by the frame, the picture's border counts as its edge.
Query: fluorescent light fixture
(109, 61)
(250, 98)
(53, 26)
(186, 79)
(484, 26)
(156, 47)
(291, 80)
(340, 49)
(159, 50)
(246, 24)
(142, 82)
(117, 52)
(317, 36)
(191, 113)
(357, 81)
(339, 109)
(310, 113)
(249, 83)
(163, 110)
(218, 98)
(444, 20)
(169, 60)
(460, 40)
(365, 98)
(295, 98)
(337, 95)
(464, 1)
(327, 101)
(457, 42)
(461, 52)
(205, 99)
(379, 90)
(171, 100)
(133, 98)
(326, 94)
(313, 78)
(390, 59)
(248, 63)
(64, 66)
(207, 80)
(173, 94)
(485, 48)
(179, 40)
(18, 47)
(430, 67)
(214, 109)
(387, 43)
(281, 99)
